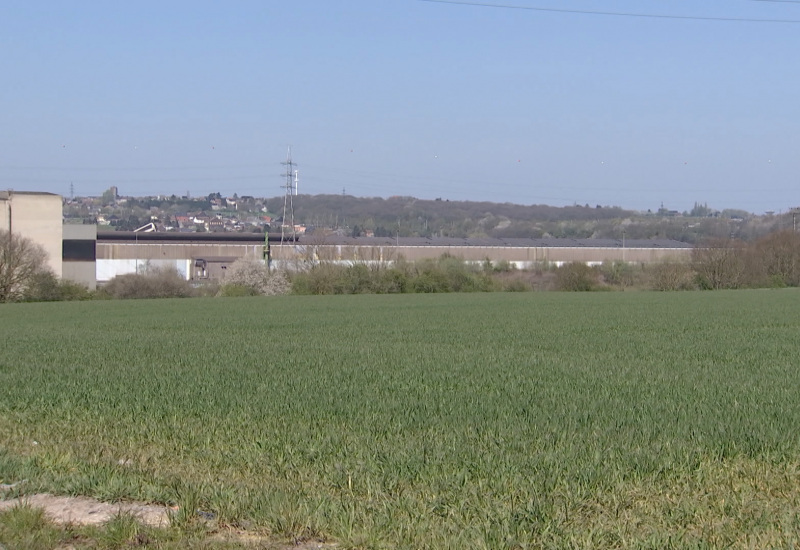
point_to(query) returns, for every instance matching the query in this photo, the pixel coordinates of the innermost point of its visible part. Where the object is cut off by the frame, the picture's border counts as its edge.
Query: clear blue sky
(406, 97)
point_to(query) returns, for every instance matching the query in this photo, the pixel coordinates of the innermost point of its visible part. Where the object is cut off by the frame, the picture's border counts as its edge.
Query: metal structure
(146, 228)
(290, 189)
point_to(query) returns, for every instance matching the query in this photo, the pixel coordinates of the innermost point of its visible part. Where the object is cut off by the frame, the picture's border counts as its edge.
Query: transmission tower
(289, 188)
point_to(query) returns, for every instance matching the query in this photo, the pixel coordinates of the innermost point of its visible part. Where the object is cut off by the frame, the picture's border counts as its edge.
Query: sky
(507, 101)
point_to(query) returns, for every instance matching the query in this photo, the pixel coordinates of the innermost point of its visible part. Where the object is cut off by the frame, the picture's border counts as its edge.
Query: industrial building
(79, 253)
(199, 256)
(38, 217)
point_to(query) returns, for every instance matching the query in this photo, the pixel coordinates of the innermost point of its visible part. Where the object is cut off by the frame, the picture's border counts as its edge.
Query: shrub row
(450, 274)
(773, 261)
(445, 274)
(245, 277)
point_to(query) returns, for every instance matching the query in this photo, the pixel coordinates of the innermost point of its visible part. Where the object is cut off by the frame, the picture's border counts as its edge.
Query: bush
(320, 279)
(576, 277)
(774, 260)
(447, 274)
(45, 287)
(450, 274)
(208, 288)
(254, 276)
(502, 266)
(671, 276)
(391, 281)
(430, 281)
(621, 274)
(719, 263)
(355, 279)
(236, 291)
(515, 285)
(155, 283)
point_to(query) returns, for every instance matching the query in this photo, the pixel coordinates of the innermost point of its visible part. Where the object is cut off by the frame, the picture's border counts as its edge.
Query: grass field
(629, 420)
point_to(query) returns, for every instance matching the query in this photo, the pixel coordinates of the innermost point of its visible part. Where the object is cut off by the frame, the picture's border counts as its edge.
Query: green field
(630, 420)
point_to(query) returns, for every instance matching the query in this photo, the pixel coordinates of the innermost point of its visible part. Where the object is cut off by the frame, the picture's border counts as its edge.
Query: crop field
(536, 420)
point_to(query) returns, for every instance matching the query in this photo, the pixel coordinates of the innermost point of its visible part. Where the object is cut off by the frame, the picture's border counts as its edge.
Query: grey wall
(79, 254)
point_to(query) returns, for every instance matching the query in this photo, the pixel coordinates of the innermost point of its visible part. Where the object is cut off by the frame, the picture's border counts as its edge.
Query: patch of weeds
(24, 527)
(123, 529)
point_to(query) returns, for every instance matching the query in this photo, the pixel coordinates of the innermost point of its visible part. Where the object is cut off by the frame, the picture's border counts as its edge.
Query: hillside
(408, 216)
(411, 217)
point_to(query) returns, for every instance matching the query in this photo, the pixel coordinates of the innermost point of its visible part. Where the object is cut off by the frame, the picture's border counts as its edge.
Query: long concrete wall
(520, 256)
(120, 258)
(117, 258)
(175, 251)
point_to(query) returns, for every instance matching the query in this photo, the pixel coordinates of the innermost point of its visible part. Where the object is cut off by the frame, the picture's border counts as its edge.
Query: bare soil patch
(64, 510)
(88, 511)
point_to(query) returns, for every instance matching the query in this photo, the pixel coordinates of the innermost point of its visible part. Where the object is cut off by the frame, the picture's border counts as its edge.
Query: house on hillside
(216, 225)
(182, 220)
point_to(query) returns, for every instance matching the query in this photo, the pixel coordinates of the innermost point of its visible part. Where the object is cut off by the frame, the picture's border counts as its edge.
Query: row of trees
(772, 261)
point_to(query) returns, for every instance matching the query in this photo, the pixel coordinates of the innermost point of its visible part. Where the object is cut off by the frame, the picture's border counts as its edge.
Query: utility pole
(8, 202)
(288, 202)
(795, 210)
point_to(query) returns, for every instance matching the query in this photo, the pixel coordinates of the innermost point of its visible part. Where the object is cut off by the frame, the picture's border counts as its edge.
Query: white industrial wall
(108, 269)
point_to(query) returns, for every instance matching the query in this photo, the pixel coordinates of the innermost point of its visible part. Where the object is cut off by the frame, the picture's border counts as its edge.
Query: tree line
(412, 217)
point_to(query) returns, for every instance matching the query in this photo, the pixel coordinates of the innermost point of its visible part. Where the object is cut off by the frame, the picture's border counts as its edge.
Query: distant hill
(351, 216)
(412, 217)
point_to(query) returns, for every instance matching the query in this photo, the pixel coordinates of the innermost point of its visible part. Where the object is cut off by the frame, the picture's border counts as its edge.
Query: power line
(130, 168)
(114, 180)
(617, 13)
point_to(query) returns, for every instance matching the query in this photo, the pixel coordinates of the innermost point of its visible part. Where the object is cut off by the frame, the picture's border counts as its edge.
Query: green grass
(629, 420)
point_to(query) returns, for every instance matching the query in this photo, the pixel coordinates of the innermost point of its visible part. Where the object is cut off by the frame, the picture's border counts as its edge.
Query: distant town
(212, 213)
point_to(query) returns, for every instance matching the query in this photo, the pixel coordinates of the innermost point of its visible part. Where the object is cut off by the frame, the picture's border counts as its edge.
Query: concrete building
(199, 256)
(196, 256)
(38, 217)
(79, 254)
